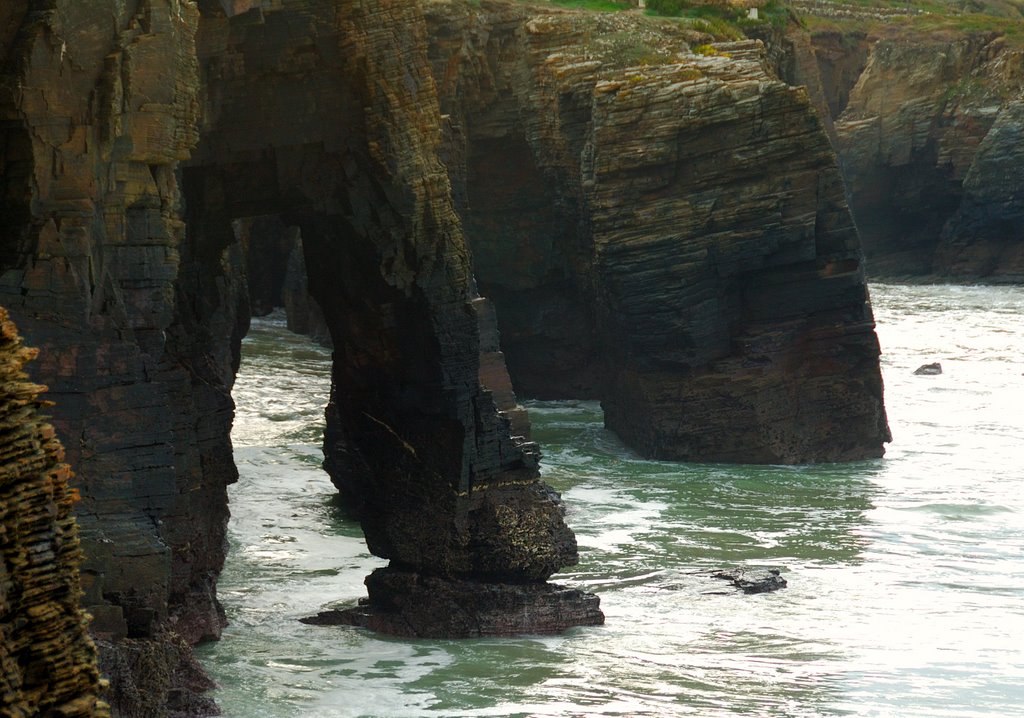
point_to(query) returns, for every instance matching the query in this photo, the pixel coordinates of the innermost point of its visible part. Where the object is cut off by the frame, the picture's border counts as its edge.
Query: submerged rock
(404, 603)
(758, 582)
(932, 369)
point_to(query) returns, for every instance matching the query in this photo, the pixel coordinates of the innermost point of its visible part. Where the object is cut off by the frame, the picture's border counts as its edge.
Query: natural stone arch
(687, 221)
(414, 442)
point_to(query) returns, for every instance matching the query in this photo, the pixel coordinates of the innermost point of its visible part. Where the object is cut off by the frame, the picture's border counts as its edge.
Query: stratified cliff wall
(98, 104)
(927, 127)
(47, 661)
(414, 441)
(124, 265)
(672, 238)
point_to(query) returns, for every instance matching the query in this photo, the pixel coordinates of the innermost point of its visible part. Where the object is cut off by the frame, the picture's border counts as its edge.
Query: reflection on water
(906, 575)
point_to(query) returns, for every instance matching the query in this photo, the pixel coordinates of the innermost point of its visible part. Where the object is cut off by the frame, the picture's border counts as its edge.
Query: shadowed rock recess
(672, 239)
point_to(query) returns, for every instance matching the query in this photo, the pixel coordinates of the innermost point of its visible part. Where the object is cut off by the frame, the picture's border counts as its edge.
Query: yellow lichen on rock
(47, 661)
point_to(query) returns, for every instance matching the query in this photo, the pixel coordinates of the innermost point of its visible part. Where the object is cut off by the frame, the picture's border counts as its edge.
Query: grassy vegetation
(599, 5)
(724, 22)
(940, 18)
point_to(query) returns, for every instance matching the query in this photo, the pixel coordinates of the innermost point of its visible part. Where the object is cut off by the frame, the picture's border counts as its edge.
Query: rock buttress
(47, 660)
(680, 225)
(731, 273)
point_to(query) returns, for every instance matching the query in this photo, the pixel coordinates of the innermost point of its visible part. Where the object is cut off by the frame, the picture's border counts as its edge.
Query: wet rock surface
(752, 582)
(407, 604)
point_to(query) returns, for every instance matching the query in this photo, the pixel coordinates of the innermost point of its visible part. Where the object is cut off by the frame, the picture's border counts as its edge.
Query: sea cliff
(664, 230)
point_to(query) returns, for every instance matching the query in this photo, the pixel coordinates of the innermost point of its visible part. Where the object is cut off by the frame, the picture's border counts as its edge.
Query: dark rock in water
(404, 603)
(760, 582)
(932, 369)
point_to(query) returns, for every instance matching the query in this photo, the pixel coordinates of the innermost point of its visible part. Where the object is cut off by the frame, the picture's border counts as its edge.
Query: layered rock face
(673, 239)
(137, 288)
(98, 104)
(414, 441)
(929, 147)
(47, 661)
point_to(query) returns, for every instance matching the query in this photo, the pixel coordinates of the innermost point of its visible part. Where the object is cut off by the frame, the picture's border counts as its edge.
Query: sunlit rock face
(47, 661)
(673, 239)
(928, 146)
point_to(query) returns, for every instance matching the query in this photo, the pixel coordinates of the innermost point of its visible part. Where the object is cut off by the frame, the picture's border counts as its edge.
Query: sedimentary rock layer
(47, 661)
(414, 441)
(125, 265)
(672, 238)
(929, 145)
(138, 325)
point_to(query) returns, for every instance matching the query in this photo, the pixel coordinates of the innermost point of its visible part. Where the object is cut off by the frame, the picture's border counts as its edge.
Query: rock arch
(151, 127)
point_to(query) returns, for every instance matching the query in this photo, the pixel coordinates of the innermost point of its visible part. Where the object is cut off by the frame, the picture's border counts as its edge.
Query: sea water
(906, 574)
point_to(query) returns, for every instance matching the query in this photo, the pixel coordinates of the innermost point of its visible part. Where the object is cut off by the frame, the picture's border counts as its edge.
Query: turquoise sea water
(906, 574)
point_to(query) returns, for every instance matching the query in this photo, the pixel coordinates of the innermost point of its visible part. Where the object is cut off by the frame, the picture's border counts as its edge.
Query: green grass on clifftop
(600, 5)
(933, 17)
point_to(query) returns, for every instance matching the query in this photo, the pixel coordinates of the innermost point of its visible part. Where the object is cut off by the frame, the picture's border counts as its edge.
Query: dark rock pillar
(733, 297)
(672, 238)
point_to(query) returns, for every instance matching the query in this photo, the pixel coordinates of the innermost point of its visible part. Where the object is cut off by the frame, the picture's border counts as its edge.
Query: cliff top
(728, 19)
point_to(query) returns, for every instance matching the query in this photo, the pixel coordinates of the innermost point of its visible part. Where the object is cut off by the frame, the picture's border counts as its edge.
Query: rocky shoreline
(665, 230)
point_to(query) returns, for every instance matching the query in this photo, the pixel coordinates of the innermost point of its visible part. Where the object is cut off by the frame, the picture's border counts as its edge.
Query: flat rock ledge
(408, 604)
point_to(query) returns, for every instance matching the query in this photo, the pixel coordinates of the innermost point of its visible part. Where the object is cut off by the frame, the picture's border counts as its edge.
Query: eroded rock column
(680, 224)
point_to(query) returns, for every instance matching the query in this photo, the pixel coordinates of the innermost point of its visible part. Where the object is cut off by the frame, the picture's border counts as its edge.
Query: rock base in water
(403, 603)
(759, 582)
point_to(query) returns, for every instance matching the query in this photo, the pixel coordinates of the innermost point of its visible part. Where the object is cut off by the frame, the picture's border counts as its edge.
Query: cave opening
(901, 211)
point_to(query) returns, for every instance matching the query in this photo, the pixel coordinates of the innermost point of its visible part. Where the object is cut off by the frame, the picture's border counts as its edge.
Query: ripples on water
(906, 575)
